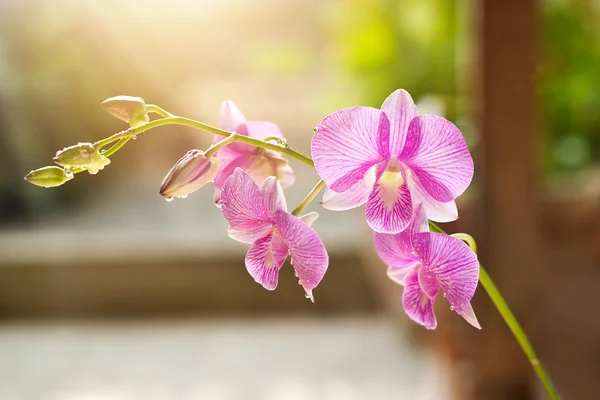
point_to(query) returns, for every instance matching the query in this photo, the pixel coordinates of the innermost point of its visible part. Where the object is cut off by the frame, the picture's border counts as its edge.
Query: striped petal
(397, 251)
(400, 110)
(356, 196)
(243, 204)
(308, 254)
(437, 155)
(348, 143)
(258, 167)
(273, 194)
(435, 210)
(454, 266)
(418, 305)
(264, 260)
(389, 207)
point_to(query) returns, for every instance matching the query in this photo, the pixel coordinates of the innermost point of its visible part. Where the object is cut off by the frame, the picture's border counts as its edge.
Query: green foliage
(569, 82)
(388, 44)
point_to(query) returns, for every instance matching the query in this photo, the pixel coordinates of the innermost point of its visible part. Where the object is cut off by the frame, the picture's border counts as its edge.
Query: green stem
(212, 150)
(309, 198)
(116, 147)
(129, 133)
(508, 317)
(152, 108)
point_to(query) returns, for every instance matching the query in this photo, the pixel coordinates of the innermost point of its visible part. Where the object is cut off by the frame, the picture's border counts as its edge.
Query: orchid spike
(425, 262)
(259, 216)
(391, 159)
(257, 162)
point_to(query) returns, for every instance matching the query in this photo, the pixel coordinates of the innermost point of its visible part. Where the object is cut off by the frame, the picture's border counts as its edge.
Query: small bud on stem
(189, 174)
(50, 176)
(127, 108)
(82, 155)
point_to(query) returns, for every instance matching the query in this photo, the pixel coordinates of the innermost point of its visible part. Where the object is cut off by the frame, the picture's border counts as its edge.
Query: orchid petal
(308, 254)
(400, 110)
(348, 143)
(231, 116)
(454, 265)
(356, 196)
(397, 251)
(255, 129)
(389, 207)
(232, 120)
(310, 218)
(273, 194)
(437, 155)
(256, 166)
(435, 210)
(263, 129)
(469, 315)
(251, 235)
(225, 171)
(429, 283)
(242, 203)
(286, 176)
(418, 305)
(398, 273)
(264, 260)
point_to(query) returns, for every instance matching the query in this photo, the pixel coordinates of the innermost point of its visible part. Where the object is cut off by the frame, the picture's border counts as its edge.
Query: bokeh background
(109, 292)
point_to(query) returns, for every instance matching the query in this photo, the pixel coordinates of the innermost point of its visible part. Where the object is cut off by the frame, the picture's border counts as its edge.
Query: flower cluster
(404, 167)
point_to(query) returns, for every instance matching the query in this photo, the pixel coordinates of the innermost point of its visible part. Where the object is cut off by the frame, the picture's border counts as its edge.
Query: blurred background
(107, 292)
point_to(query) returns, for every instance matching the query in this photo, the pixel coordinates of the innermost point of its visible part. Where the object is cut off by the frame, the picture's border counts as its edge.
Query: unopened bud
(82, 155)
(127, 108)
(50, 176)
(189, 174)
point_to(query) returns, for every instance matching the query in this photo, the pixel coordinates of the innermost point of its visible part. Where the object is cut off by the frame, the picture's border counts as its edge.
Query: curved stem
(129, 133)
(212, 150)
(508, 317)
(153, 108)
(115, 147)
(467, 239)
(309, 198)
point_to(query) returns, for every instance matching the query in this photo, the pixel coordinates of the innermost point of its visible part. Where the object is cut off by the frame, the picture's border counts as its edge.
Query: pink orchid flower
(391, 159)
(425, 262)
(259, 216)
(258, 163)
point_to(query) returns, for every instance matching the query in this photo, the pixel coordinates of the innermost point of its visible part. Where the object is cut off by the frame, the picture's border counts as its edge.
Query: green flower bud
(82, 155)
(50, 176)
(127, 108)
(189, 174)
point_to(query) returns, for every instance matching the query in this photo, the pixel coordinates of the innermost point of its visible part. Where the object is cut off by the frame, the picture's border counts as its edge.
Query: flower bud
(82, 155)
(50, 176)
(127, 108)
(189, 174)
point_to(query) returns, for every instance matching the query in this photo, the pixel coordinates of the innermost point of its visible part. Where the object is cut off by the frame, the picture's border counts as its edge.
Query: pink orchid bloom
(391, 159)
(425, 262)
(257, 162)
(259, 216)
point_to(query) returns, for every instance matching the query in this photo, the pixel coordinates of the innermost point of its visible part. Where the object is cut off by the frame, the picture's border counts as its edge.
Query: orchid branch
(95, 159)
